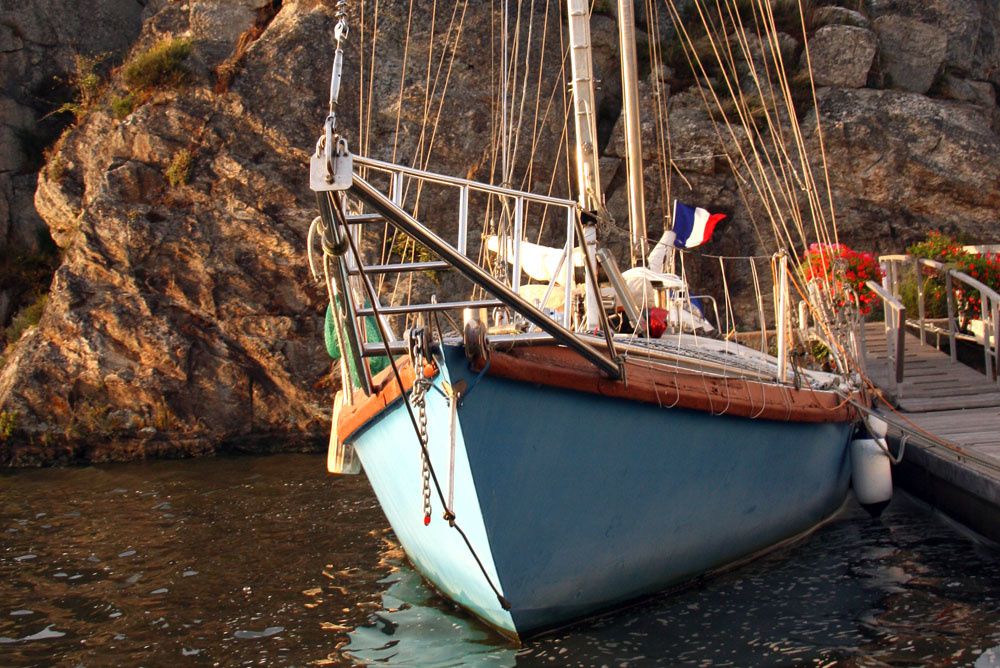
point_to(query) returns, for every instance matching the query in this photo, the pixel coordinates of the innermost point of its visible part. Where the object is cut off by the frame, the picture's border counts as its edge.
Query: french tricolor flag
(693, 226)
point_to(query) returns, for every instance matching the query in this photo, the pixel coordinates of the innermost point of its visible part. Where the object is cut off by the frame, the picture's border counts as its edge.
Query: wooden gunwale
(648, 382)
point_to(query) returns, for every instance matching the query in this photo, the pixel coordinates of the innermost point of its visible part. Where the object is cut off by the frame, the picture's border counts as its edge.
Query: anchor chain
(418, 397)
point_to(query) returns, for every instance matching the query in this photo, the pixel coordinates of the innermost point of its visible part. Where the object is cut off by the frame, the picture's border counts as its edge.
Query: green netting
(333, 348)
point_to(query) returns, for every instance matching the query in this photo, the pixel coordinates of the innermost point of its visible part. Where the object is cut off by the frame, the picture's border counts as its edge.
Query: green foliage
(87, 83)
(90, 419)
(162, 66)
(943, 248)
(8, 424)
(938, 246)
(935, 299)
(178, 172)
(27, 317)
(411, 250)
(25, 277)
(123, 105)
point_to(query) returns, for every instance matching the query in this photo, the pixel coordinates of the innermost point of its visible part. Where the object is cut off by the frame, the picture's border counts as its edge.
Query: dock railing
(894, 267)
(895, 333)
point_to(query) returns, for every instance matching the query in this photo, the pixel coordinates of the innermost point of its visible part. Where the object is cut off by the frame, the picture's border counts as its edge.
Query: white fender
(877, 427)
(871, 471)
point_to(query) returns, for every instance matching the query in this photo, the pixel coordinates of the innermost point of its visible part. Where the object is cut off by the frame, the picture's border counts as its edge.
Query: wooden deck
(952, 401)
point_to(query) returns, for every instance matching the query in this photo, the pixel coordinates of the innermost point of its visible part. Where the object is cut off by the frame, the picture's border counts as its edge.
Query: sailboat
(550, 457)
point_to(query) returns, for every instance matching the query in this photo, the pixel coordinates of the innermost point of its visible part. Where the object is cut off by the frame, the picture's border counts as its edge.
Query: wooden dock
(958, 406)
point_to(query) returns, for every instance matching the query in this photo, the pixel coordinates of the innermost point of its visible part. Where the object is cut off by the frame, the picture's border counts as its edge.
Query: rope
(449, 514)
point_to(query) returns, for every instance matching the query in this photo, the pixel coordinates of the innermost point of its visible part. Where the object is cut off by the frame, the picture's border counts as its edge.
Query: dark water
(269, 561)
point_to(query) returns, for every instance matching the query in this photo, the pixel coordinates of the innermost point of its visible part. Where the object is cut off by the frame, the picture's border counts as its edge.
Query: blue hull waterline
(576, 503)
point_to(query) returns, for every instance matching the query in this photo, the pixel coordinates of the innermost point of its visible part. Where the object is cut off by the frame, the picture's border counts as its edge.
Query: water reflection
(906, 590)
(415, 627)
(269, 561)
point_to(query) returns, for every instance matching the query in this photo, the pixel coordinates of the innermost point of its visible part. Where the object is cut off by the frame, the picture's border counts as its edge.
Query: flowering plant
(843, 271)
(984, 268)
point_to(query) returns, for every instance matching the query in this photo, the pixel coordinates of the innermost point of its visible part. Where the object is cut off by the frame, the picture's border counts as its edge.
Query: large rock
(961, 22)
(183, 318)
(903, 164)
(223, 20)
(39, 40)
(833, 15)
(912, 52)
(841, 55)
(963, 90)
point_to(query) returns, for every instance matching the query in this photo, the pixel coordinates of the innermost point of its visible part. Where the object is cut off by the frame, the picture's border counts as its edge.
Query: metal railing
(989, 304)
(895, 333)
(517, 201)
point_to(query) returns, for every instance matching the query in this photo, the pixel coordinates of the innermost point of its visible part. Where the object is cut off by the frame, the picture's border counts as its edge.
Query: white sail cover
(539, 262)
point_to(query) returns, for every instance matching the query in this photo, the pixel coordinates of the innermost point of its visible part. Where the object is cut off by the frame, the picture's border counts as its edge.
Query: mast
(588, 173)
(633, 139)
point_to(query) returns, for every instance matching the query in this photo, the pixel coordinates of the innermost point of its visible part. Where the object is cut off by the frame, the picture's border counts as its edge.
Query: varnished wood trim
(386, 390)
(647, 382)
(653, 383)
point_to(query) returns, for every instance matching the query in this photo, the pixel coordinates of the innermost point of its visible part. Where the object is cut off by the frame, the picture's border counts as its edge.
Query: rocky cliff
(181, 318)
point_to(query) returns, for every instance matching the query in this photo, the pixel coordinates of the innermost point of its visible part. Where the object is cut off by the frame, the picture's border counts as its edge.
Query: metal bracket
(331, 166)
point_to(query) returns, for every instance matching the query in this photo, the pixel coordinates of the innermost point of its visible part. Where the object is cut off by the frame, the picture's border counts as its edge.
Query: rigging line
(513, 68)
(773, 123)
(656, 65)
(371, 81)
(748, 58)
(775, 128)
(447, 79)
(361, 75)
(422, 158)
(749, 209)
(427, 149)
(538, 99)
(524, 89)
(504, 87)
(793, 119)
(450, 514)
(386, 244)
(746, 115)
(402, 82)
(778, 146)
(819, 125)
(427, 92)
(418, 150)
(691, 55)
(540, 125)
(806, 181)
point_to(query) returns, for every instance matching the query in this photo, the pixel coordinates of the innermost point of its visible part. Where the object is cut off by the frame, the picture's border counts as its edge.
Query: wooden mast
(588, 173)
(633, 139)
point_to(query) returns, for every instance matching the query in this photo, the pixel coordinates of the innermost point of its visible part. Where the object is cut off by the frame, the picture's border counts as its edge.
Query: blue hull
(576, 503)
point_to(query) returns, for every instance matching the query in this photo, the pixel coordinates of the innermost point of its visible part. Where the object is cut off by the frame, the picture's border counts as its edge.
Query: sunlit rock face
(182, 318)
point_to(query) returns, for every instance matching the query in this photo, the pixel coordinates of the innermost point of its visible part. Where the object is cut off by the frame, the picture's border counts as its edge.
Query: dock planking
(958, 468)
(952, 401)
